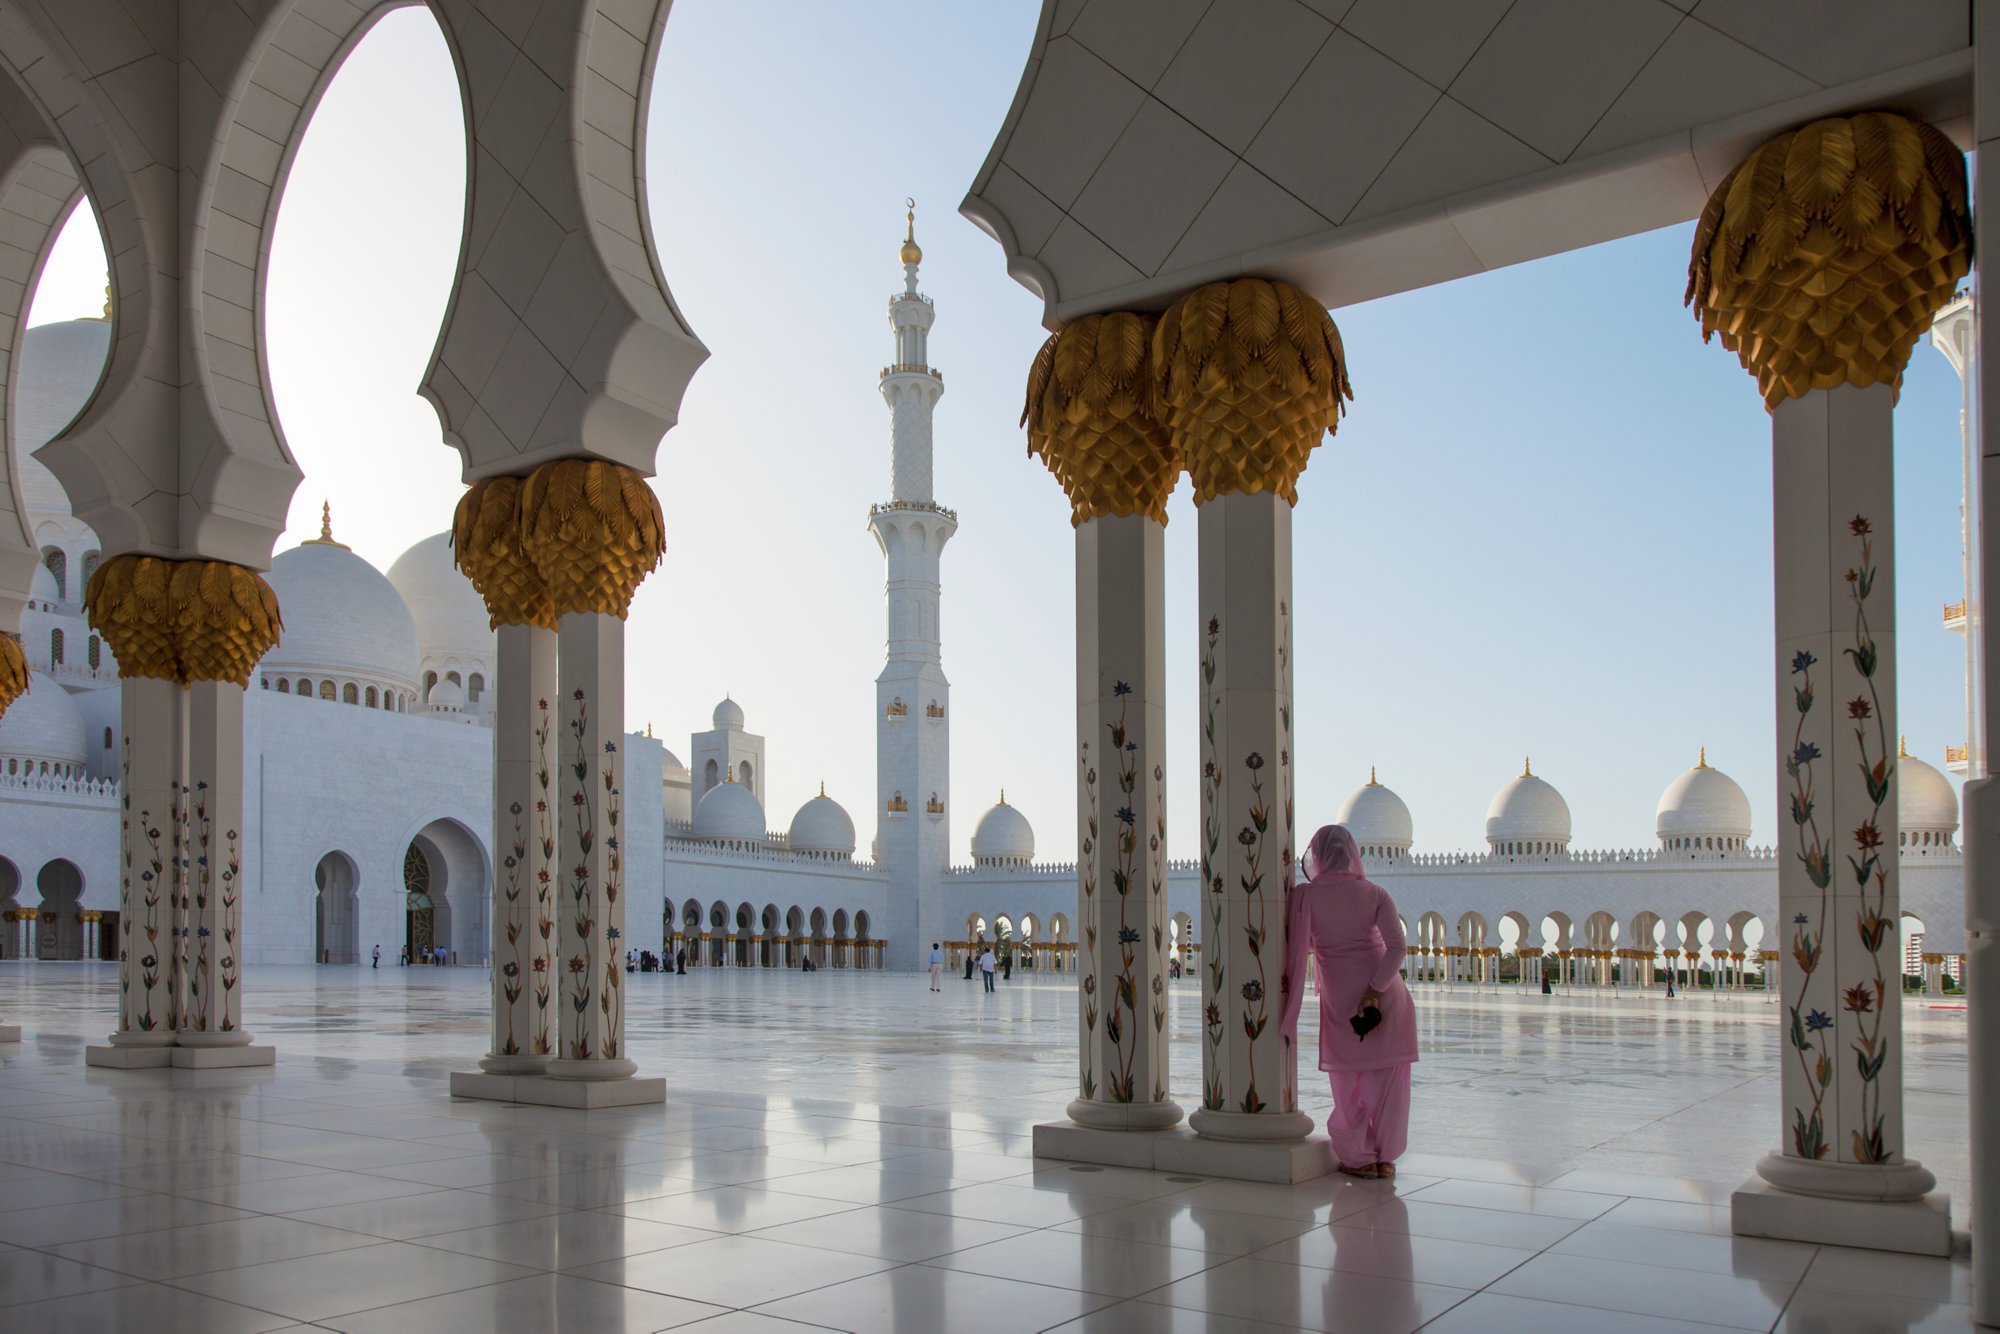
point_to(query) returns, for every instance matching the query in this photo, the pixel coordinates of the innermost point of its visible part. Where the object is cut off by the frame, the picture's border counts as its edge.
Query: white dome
(1528, 810)
(672, 766)
(342, 618)
(1703, 803)
(445, 695)
(1925, 800)
(822, 825)
(728, 714)
(451, 618)
(727, 812)
(42, 588)
(1377, 818)
(44, 725)
(1003, 835)
(60, 367)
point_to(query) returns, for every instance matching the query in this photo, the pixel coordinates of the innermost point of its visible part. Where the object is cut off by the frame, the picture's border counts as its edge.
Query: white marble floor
(848, 1151)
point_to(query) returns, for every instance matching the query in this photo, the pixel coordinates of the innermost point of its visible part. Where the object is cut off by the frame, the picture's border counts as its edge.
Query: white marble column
(211, 1029)
(1249, 1072)
(149, 875)
(1122, 825)
(524, 829)
(1835, 675)
(589, 874)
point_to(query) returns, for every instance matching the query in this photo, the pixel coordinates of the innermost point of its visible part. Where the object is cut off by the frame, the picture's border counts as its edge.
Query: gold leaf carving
(13, 672)
(594, 531)
(1248, 376)
(1821, 260)
(486, 545)
(183, 620)
(1089, 416)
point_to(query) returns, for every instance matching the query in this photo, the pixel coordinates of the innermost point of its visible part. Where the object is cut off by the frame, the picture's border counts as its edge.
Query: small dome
(450, 616)
(42, 588)
(1003, 835)
(342, 618)
(1528, 810)
(1377, 818)
(729, 714)
(822, 826)
(445, 694)
(1925, 800)
(61, 364)
(728, 813)
(1703, 803)
(44, 726)
(671, 764)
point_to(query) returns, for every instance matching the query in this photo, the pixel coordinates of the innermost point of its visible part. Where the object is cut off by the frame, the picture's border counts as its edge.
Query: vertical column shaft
(590, 914)
(1122, 824)
(1835, 677)
(1249, 1072)
(524, 832)
(149, 862)
(212, 798)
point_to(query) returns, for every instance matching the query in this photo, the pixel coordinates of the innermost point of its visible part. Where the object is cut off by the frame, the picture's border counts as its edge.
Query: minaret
(912, 697)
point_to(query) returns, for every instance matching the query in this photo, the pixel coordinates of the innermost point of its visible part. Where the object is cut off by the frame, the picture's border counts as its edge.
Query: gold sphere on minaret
(912, 253)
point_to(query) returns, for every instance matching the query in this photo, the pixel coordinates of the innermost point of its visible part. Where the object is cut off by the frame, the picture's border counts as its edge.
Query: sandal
(1363, 1172)
(1384, 1170)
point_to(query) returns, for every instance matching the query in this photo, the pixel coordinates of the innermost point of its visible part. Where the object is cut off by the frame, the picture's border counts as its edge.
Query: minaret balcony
(912, 368)
(921, 506)
(1954, 615)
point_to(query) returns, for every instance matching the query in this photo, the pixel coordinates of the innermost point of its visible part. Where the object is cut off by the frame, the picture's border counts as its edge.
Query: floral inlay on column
(1875, 921)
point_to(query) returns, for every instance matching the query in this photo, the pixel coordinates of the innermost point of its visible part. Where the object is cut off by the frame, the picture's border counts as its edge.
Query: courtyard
(849, 1151)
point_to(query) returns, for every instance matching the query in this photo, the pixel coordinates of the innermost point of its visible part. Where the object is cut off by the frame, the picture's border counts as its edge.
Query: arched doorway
(445, 866)
(59, 933)
(11, 930)
(336, 910)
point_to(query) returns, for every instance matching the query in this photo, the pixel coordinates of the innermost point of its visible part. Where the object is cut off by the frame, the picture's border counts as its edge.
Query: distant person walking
(986, 965)
(680, 961)
(1367, 1022)
(937, 966)
(375, 961)
(971, 962)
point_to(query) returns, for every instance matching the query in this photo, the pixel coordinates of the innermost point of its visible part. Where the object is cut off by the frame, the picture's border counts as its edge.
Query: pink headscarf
(1333, 855)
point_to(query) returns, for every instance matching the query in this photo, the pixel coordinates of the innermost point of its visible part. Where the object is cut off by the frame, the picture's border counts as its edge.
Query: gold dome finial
(728, 775)
(325, 538)
(1902, 748)
(1371, 777)
(1702, 763)
(1003, 796)
(912, 253)
(1527, 770)
(106, 316)
(822, 787)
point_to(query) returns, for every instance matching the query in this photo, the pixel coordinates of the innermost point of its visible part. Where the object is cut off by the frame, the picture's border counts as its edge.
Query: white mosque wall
(643, 841)
(45, 821)
(706, 874)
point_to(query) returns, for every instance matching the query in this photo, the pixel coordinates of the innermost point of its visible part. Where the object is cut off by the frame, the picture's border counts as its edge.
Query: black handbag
(1366, 1022)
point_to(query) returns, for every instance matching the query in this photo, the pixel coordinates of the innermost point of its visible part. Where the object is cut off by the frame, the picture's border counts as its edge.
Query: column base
(1895, 1183)
(199, 1057)
(1182, 1150)
(514, 1065)
(1914, 1227)
(1250, 1127)
(120, 1057)
(1125, 1116)
(201, 1037)
(543, 1091)
(10, 1032)
(591, 1071)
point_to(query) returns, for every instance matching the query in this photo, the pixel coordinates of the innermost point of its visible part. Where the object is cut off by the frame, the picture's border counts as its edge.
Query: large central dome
(1528, 817)
(343, 620)
(453, 630)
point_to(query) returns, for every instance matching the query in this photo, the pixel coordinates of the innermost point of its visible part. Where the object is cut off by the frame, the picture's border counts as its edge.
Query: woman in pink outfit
(1350, 925)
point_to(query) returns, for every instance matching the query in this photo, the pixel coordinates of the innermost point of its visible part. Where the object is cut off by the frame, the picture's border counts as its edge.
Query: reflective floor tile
(1831, 1311)
(1398, 1255)
(180, 1178)
(1672, 1216)
(734, 1271)
(1283, 1294)
(568, 1240)
(318, 1286)
(144, 1306)
(172, 1252)
(730, 1208)
(891, 1234)
(540, 1305)
(410, 1216)
(1644, 1289)
(1081, 1262)
(865, 1184)
(30, 1276)
(1891, 1275)
(1746, 1257)
(599, 1188)
(39, 1189)
(1318, 1201)
(1455, 1222)
(1490, 1313)
(749, 1322)
(1686, 1190)
(317, 1191)
(1140, 1317)
(922, 1299)
(1538, 1200)
(1171, 1221)
(107, 1218)
(998, 1202)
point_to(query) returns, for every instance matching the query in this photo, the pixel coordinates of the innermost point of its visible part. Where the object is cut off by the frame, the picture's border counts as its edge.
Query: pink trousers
(1370, 1120)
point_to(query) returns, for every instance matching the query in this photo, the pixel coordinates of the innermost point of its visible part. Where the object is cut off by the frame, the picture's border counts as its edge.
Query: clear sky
(1544, 528)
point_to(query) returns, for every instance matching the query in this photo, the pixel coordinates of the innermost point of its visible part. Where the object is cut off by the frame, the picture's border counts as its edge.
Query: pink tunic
(1356, 942)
